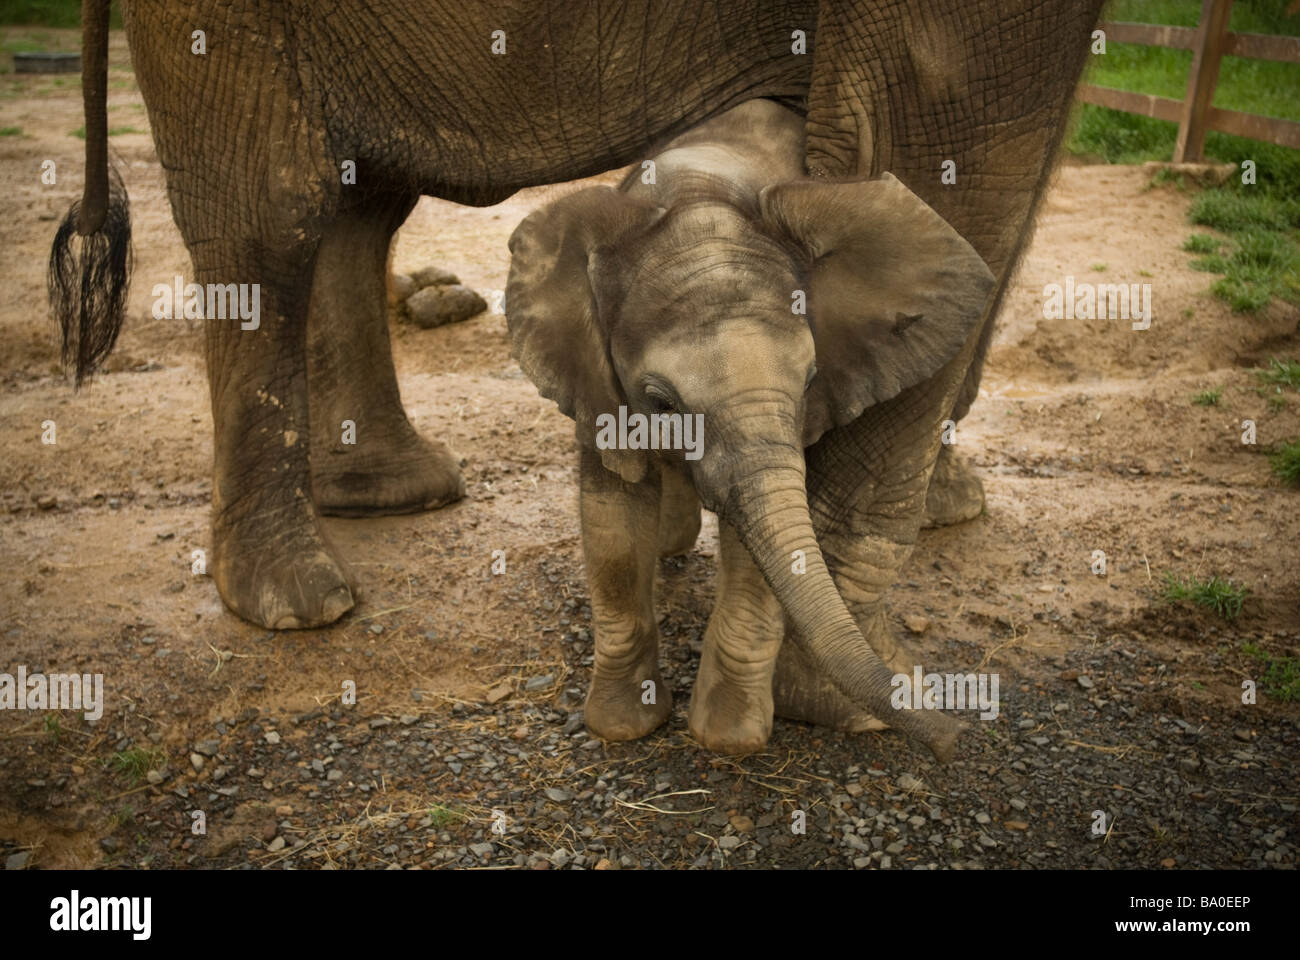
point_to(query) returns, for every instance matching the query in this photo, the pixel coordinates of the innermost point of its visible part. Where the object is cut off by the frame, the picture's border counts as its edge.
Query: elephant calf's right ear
(555, 331)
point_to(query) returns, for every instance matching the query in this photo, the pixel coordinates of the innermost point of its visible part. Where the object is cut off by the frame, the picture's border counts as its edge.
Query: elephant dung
(433, 306)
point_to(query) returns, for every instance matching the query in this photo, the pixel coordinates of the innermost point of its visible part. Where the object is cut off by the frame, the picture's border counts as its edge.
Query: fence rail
(1196, 114)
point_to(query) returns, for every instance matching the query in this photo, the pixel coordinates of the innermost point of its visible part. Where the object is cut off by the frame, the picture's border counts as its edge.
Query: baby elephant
(781, 350)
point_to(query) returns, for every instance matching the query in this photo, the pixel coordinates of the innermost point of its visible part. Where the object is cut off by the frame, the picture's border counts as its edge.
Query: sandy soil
(1085, 437)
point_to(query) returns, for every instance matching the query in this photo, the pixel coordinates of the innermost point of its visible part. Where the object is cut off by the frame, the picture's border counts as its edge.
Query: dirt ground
(1085, 437)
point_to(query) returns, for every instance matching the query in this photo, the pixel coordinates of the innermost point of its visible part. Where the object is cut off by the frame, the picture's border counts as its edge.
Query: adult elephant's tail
(89, 275)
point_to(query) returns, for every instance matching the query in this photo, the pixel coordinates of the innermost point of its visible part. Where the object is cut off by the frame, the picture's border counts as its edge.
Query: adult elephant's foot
(400, 472)
(627, 702)
(277, 570)
(956, 493)
(731, 705)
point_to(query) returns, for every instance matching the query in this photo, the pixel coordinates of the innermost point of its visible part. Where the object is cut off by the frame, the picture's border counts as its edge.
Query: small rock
(1242, 735)
(18, 861)
(376, 628)
(154, 777)
(1085, 682)
(499, 693)
(538, 683)
(557, 794)
(400, 286)
(438, 305)
(432, 277)
(196, 762)
(207, 747)
(1015, 825)
(109, 844)
(728, 843)
(481, 849)
(276, 845)
(916, 624)
(742, 823)
(908, 782)
(272, 738)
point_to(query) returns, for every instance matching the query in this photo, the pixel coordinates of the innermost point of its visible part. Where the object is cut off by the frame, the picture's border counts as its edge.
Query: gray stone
(400, 286)
(433, 276)
(481, 849)
(557, 794)
(18, 861)
(728, 843)
(207, 747)
(538, 683)
(436, 306)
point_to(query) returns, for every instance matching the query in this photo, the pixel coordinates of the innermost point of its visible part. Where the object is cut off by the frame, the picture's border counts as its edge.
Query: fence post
(1211, 36)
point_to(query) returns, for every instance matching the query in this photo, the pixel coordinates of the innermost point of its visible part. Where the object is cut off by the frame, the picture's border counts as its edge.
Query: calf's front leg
(620, 536)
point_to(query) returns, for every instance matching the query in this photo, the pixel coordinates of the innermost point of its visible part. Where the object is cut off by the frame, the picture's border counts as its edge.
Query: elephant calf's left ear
(894, 290)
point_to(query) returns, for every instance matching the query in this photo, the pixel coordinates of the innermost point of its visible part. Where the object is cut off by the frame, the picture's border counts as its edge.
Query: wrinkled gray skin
(253, 135)
(779, 310)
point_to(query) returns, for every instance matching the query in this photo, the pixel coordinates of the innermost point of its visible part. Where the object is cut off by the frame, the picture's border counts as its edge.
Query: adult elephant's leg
(366, 458)
(979, 91)
(620, 534)
(271, 561)
(731, 704)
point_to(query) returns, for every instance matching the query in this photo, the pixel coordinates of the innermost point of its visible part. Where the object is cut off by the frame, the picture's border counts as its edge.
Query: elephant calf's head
(771, 320)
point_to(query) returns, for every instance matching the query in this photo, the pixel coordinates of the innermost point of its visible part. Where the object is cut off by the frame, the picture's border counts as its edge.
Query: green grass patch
(1222, 596)
(1262, 219)
(444, 816)
(48, 13)
(1281, 677)
(1208, 398)
(1202, 243)
(136, 762)
(1282, 373)
(11, 131)
(1285, 462)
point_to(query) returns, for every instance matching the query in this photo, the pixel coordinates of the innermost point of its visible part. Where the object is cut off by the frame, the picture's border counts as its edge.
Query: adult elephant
(296, 136)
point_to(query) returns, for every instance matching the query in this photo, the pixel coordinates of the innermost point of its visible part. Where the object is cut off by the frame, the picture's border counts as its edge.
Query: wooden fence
(1196, 114)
